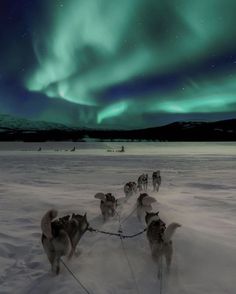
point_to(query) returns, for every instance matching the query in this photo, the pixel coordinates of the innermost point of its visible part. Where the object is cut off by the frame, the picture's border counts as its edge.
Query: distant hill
(17, 129)
(8, 122)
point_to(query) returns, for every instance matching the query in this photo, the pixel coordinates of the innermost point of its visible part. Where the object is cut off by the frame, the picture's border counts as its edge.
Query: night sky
(118, 64)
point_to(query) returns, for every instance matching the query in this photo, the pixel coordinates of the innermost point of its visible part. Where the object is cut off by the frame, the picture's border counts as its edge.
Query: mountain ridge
(20, 129)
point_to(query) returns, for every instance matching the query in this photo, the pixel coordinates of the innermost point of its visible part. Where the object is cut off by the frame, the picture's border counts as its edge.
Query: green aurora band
(90, 46)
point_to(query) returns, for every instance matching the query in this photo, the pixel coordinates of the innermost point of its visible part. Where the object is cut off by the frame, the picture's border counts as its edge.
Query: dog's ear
(157, 213)
(85, 215)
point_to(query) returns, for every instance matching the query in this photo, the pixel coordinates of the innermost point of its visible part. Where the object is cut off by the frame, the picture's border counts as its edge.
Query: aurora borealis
(118, 64)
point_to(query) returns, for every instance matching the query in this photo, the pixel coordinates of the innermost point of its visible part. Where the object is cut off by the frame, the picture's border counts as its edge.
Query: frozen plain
(198, 190)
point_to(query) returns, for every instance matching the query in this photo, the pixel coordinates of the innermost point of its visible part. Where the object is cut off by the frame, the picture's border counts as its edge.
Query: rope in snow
(128, 216)
(73, 275)
(127, 258)
(120, 222)
(119, 234)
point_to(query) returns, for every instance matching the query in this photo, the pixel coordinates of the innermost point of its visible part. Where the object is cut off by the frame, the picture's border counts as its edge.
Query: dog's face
(80, 221)
(151, 215)
(110, 202)
(110, 198)
(156, 174)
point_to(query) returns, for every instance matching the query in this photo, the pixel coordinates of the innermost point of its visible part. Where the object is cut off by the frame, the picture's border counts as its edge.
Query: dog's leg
(168, 256)
(155, 187)
(156, 255)
(72, 252)
(49, 250)
(56, 265)
(104, 216)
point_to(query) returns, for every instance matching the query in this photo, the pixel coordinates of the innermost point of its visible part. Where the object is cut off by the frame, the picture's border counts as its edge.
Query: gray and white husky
(143, 182)
(156, 180)
(130, 188)
(160, 238)
(144, 204)
(61, 236)
(108, 204)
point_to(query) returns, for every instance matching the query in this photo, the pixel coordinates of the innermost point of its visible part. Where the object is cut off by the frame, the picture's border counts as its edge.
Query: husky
(61, 236)
(156, 180)
(108, 204)
(143, 182)
(130, 188)
(159, 237)
(144, 203)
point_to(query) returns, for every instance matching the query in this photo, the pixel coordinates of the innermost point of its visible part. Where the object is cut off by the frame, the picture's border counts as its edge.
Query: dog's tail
(169, 232)
(46, 222)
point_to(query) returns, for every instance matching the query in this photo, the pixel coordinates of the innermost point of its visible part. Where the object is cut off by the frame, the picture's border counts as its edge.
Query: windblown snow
(198, 191)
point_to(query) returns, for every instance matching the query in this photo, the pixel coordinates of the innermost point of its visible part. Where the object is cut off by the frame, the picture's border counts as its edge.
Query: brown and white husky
(61, 236)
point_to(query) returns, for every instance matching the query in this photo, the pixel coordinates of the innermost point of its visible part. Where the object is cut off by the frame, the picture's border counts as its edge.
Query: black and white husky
(61, 236)
(144, 203)
(159, 238)
(108, 204)
(143, 182)
(130, 188)
(156, 180)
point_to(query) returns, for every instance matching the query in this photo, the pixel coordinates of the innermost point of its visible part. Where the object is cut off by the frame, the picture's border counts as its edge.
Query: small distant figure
(73, 149)
(39, 149)
(121, 150)
(110, 150)
(156, 180)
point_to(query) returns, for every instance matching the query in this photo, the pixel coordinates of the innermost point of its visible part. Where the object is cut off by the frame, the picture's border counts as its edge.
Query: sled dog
(61, 236)
(108, 204)
(159, 238)
(143, 182)
(144, 203)
(130, 188)
(156, 180)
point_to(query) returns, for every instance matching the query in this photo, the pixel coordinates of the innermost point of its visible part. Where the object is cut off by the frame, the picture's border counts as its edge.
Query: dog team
(60, 236)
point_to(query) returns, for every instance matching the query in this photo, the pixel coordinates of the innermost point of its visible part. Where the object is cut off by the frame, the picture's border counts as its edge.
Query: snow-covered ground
(198, 190)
